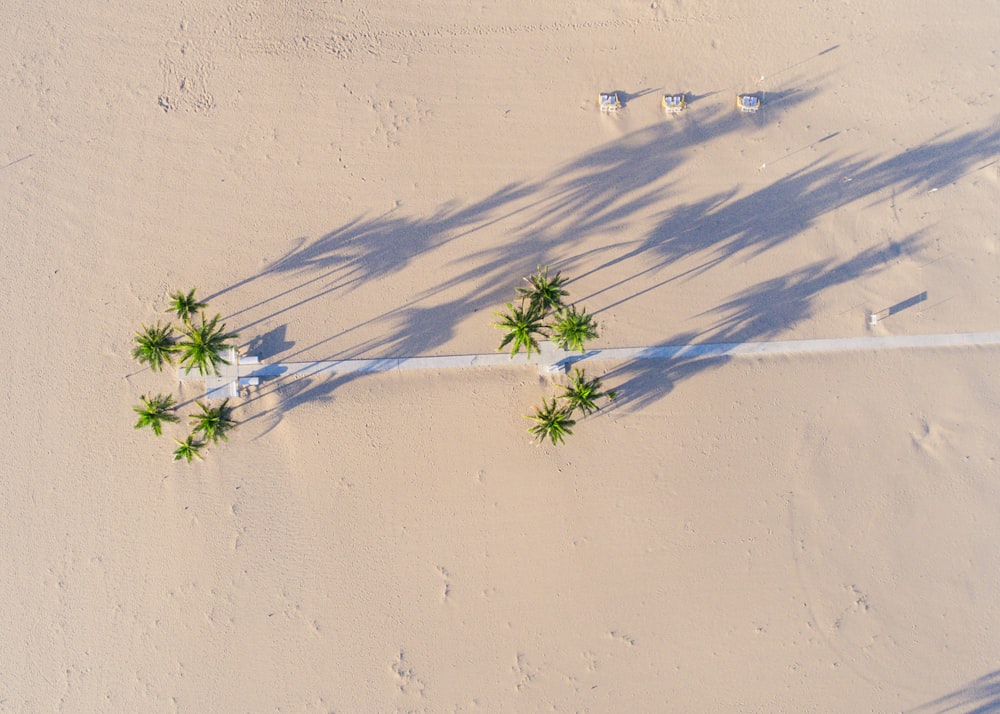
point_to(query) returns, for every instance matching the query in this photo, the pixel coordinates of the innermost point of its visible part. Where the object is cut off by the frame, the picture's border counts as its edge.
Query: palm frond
(523, 325)
(154, 411)
(154, 345)
(544, 293)
(552, 421)
(213, 422)
(203, 345)
(573, 328)
(188, 449)
(582, 393)
(185, 305)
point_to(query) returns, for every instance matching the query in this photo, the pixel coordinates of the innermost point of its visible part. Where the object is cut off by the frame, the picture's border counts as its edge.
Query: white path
(553, 359)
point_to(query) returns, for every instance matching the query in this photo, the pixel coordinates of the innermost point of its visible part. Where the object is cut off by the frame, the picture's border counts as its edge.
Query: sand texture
(779, 533)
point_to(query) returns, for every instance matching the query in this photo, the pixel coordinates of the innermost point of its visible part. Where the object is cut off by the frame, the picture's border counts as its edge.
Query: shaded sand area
(786, 533)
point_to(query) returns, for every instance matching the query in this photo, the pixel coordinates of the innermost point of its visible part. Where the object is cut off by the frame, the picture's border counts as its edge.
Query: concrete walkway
(553, 359)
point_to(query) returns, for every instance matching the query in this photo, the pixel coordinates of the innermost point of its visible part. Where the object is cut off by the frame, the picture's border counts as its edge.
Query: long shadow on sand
(602, 191)
(723, 227)
(756, 313)
(980, 696)
(605, 192)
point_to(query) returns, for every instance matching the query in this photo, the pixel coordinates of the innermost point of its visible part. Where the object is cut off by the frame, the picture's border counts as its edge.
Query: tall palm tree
(573, 328)
(188, 449)
(154, 411)
(552, 421)
(582, 393)
(154, 345)
(202, 346)
(185, 306)
(522, 325)
(213, 422)
(545, 293)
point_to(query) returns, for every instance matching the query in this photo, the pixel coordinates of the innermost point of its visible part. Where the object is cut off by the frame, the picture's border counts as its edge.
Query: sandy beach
(784, 533)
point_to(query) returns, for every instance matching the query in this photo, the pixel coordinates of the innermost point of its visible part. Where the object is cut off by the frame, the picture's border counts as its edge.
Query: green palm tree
(154, 411)
(552, 421)
(202, 346)
(545, 293)
(573, 328)
(213, 422)
(185, 306)
(188, 449)
(522, 325)
(582, 393)
(154, 346)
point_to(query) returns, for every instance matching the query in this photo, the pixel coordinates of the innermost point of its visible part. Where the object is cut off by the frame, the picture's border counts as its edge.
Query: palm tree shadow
(764, 310)
(271, 343)
(642, 382)
(718, 228)
(980, 696)
(599, 192)
(597, 197)
(291, 393)
(757, 313)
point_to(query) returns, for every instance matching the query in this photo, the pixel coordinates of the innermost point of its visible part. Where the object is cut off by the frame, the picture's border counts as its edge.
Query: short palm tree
(188, 449)
(552, 421)
(213, 422)
(185, 306)
(545, 293)
(582, 393)
(154, 411)
(523, 325)
(202, 346)
(154, 345)
(573, 328)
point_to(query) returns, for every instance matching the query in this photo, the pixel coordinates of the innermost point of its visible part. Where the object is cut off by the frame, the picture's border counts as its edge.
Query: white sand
(800, 533)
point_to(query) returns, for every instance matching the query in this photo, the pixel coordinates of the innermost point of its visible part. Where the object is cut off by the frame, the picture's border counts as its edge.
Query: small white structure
(673, 103)
(236, 387)
(237, 374)
(610, 102)
(748, 103)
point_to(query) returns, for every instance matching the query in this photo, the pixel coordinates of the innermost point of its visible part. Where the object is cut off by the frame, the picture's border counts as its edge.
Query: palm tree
(522, 325)
(202, 346)
(155, 345)
(154, 411)
(213, 422)
(185, 306)
(582, 393)
(545, 293)
(573, 328)
(552, 421)
(188, 449)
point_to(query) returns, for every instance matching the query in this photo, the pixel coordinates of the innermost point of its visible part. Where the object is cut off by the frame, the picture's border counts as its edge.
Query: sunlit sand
(741, 529)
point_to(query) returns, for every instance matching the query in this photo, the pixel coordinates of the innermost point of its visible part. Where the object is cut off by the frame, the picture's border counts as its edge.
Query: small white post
(872, 318)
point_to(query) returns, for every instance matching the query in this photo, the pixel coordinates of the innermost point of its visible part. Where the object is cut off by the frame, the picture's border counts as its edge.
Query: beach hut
(748, 103)
(673, 103)
(610, 102)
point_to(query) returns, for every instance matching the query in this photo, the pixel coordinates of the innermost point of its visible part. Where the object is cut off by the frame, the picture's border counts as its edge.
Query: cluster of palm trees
(554, 419)
(199, 346)
(209, 424)
(542, 312)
